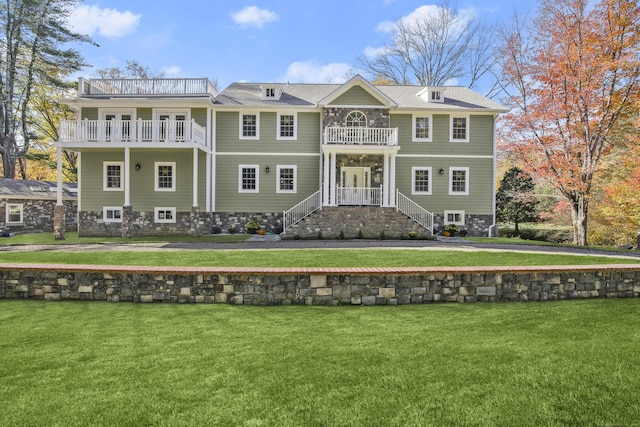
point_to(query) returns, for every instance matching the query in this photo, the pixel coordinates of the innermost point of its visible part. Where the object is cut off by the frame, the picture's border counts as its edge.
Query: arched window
(356, 119)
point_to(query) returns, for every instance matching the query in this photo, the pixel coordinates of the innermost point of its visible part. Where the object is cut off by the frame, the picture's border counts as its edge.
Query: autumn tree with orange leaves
(573, 79)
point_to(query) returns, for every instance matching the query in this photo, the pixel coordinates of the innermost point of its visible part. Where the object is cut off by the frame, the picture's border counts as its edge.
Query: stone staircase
(351, 220)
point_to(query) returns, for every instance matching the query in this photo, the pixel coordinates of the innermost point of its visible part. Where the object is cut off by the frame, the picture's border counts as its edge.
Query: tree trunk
(9, 166)
(579, 210)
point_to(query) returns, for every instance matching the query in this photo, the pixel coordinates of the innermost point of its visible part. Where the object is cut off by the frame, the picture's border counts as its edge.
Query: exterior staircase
(372, 221)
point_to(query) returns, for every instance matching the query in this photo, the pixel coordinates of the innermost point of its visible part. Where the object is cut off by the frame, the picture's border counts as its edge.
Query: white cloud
(372, 52)
(314, 72)
(110, 23)
(425, 13)
(253, 16)
(171, 71)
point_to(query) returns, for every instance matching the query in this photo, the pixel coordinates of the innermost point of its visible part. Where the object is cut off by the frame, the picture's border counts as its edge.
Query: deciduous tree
(574, 79)
(434, 48)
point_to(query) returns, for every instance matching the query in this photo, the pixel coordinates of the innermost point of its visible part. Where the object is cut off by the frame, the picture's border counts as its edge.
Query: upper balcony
(146, 87)
(143, 133)
(361, 136)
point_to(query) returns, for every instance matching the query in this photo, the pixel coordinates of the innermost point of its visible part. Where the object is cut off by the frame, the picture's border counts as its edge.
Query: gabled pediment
(357, 92)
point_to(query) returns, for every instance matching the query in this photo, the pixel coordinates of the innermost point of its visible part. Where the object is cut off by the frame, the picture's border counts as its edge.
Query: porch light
(441, 171)
(138, 167)
(266, 169)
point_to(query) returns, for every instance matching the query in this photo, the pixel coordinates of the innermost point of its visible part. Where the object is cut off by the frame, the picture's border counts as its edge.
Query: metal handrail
(414, 211)
(301, 210)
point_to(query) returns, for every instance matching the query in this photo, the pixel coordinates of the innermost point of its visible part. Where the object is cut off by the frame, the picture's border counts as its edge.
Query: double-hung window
(286, 126)
(165, 176)
(286, 179)
(459, 130)
(420, 180)
(458, 181)
(14, 213)
(248, 179)
(422, 128)
(249, 126)
(113, 176)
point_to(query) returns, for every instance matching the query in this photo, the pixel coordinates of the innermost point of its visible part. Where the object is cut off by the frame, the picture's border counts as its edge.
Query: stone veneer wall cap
(312, 270)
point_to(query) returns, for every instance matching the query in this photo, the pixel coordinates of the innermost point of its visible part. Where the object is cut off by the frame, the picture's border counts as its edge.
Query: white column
(59, 182)
(332, 179)
(195, 177)
(127, 176)
(208, 183)
(325, 181)
(385, 182)
(392, 179)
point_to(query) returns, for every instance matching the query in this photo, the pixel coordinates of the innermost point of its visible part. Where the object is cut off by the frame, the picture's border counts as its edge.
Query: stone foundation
(476, 225)
(386, 286)
(38, 215)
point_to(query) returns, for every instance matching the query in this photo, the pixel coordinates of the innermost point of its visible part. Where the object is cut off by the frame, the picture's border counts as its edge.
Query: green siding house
(174, 156)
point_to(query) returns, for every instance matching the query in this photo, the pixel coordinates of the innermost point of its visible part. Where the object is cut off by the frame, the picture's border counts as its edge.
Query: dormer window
(271, 92)
(433, 94)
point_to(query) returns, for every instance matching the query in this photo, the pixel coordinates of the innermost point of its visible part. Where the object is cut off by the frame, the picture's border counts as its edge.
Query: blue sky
(302, 41)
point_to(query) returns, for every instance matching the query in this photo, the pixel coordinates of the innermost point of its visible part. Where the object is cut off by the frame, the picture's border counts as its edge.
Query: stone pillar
(58, 222)
(195, 222)
(127, 219)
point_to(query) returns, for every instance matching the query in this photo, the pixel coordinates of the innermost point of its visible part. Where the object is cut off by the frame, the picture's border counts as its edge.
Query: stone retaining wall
(365, 286)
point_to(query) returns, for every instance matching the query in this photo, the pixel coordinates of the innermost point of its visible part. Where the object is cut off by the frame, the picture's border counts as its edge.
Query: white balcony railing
(359, 196)
(146, 87)
(126, 131)
(361, 136)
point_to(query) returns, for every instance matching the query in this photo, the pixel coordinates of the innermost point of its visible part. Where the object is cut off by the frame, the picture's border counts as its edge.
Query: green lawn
(102, 364)
(72, 238)
(309, 258)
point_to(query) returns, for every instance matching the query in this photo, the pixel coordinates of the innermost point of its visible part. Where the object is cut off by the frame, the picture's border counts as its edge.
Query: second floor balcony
(102, 132)
(361, 136)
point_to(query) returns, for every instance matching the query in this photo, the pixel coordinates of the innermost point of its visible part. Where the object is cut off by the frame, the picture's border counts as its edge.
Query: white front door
(355, 183)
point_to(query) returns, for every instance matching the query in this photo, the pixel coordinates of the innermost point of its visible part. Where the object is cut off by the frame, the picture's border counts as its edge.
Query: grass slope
(309, 258)
(78, 364)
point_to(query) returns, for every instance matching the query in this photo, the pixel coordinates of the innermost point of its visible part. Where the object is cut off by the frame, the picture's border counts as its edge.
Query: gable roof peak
(354, 81)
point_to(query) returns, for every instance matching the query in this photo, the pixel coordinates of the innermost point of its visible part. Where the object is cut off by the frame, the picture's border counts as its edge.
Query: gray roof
(309, 95)
(29, 189)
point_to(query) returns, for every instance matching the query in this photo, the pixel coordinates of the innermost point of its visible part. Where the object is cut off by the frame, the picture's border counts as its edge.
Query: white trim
(257, 171)
(114, 209)
(172, 112)
(156, 165)
(466, 181)
(264, 154)
(156, 212)
(415, 116)
(8, 213)
(429, 170)
(453, 212)
(105, 165)
(467, 128)
(241, 114)
(444, 156)
(103, 111)
(279, 125)
(295, 178)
